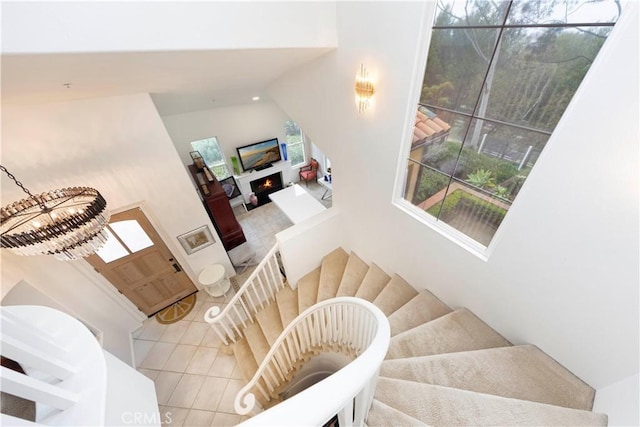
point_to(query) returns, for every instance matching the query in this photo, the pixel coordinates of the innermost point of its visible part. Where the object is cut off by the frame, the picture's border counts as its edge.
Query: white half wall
(134, 26)
(119, 146)
(232, 126)
(564, 273)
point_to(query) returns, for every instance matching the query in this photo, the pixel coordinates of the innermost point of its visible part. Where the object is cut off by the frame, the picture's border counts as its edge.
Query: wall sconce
(364, 89)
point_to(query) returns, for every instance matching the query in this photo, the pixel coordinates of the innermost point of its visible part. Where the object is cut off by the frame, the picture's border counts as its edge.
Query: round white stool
(214, 280)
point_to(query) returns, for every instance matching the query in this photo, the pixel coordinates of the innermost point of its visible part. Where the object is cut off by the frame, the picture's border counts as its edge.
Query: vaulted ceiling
(178, 81)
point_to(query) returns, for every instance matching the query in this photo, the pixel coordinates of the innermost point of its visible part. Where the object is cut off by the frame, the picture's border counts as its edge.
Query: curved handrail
(255, 293)
(348, 322)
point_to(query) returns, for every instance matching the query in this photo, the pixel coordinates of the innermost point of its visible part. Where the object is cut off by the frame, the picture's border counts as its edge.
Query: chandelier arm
(19, 184)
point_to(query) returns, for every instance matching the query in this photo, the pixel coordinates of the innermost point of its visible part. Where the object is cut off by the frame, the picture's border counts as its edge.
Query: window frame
(301, 143)
(212, 166)
(404, 160)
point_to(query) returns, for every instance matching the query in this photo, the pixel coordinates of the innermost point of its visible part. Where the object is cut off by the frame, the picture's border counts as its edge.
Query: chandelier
(67, 223)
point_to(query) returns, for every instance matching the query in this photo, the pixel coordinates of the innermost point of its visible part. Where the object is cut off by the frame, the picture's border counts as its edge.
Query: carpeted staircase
(443, 367)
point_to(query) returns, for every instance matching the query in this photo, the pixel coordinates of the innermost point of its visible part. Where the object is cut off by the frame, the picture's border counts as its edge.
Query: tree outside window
(295, 143)
(499, 76)
(213, 156)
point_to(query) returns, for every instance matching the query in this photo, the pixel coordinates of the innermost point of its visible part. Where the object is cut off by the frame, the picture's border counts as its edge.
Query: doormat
(176, 311)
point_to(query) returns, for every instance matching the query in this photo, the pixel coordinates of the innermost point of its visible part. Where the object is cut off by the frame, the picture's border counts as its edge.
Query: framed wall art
(196, 239)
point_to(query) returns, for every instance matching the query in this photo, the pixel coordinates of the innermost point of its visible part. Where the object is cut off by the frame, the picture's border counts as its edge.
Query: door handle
(176, 267)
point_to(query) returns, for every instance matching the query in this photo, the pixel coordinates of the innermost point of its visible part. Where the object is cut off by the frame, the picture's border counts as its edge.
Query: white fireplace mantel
(244, 180)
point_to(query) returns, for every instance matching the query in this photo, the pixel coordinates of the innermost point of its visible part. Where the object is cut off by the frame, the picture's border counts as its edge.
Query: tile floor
(196, 383)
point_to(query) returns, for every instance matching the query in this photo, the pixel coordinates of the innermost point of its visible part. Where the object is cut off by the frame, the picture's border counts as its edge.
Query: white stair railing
(259, 289)
(65, 370)
(344, 324)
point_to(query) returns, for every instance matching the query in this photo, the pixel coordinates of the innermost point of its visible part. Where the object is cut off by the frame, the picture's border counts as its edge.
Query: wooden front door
(138, 263)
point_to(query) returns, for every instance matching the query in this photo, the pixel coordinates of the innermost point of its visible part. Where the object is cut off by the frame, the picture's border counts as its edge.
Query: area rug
(176, 311)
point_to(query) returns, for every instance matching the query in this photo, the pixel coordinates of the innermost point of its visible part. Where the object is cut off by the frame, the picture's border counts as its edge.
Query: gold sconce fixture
(364, 89)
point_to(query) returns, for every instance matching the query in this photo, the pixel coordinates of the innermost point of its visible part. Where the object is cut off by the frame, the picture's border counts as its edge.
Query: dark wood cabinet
(217, 205)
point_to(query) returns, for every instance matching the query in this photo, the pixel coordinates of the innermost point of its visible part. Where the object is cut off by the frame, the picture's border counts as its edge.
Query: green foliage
(480, 178)
(502, 172)
(295, 143)
(296, 154)
(461, 200)
(501, 191)
(430, 183)
(213, 156)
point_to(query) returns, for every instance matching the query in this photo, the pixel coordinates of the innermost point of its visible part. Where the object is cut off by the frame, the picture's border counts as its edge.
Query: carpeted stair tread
(257, 342)
(382, 415)
(244, 358)
(396, 294)
(374, 281)
(444, 406)
(308, 289)
(269, 320)
(332, 269)
(422, 308)
(519, 372)
(353, 274)
(457, 331)
(287, 300)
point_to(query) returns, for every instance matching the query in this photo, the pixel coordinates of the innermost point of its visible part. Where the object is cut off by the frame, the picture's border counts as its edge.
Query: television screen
(259, 154)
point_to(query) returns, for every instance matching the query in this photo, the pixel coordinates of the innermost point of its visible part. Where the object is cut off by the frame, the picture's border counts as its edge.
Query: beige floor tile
(149, 373)
(166, 383)
(210, 394)
(136, 334)
(173, 417)
(211, 339)
(186, 391)
(141, 349)
(151, 330)
(222, 419)
(195, 333)
(202, 361)
(158, 355)
(199, 317)
(180, 358)
(229, 396)
(199, 418)
(196, 308)
(222, 366)
(237, 373)
(175, 331)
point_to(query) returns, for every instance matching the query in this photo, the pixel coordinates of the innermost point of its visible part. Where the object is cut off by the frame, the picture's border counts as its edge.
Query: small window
(213, 156)
(131, 238)
(295, 143)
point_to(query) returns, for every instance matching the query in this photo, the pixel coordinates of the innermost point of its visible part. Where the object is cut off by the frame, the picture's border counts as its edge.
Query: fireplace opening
(262, 187)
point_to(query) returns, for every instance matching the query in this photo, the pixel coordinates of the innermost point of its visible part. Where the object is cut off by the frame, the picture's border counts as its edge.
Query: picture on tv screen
(259, 155)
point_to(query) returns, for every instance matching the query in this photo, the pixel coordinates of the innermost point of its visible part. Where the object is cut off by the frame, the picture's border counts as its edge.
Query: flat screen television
(259, 155)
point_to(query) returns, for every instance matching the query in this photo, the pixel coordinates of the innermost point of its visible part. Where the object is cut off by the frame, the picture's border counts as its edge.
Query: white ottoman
(214, 280)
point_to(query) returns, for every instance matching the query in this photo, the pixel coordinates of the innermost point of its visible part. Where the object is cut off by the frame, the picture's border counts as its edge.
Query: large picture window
(295, 143)
(213, 156)
(499, 76)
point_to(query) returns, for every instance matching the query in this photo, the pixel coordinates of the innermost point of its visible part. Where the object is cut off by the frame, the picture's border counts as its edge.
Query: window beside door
(213, 156)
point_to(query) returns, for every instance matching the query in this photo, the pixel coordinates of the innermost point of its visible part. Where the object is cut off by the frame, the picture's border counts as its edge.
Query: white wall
(564, 274)
(119, 146)
(233, 126)
(34, 27)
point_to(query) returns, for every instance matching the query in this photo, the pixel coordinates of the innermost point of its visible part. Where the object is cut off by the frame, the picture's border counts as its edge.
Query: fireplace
(262, 187)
